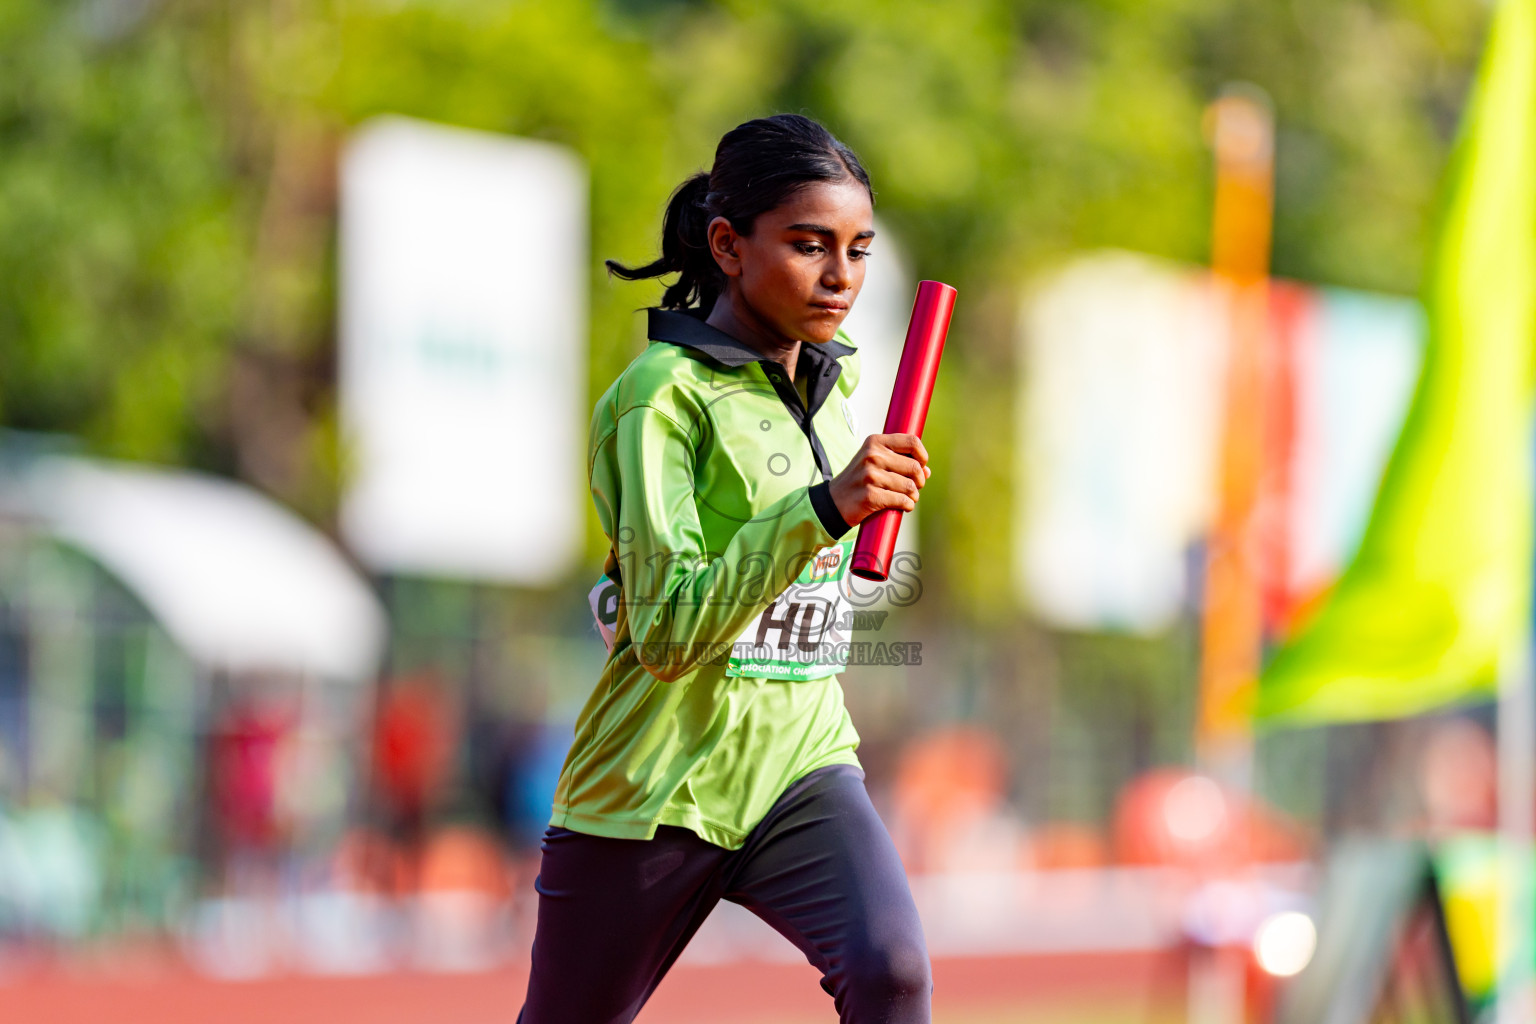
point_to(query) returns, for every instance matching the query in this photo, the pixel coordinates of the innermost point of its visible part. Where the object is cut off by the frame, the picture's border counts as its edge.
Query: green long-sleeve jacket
(710, 475)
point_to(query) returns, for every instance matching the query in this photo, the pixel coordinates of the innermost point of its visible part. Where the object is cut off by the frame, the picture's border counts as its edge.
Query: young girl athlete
(715, 759)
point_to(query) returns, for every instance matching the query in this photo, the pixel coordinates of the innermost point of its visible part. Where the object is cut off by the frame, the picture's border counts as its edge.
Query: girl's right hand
(888, 471)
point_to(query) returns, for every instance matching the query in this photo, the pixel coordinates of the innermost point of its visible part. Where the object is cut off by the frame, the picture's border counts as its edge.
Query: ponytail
(758, 165)
(684, 250)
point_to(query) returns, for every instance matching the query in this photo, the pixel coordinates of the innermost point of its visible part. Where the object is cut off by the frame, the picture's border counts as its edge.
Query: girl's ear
(723, 246)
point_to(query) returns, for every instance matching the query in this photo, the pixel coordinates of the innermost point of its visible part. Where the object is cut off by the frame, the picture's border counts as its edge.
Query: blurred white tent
(240, 583)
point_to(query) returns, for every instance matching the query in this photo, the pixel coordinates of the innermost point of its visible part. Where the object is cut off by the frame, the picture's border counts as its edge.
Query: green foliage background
(167, 174)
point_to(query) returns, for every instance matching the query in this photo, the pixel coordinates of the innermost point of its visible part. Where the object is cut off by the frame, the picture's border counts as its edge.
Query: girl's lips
(831, 307)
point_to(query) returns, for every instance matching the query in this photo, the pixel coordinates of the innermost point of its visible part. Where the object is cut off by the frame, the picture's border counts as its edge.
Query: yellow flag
(1440, 592)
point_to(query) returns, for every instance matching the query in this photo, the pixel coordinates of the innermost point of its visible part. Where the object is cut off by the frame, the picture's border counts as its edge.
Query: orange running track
(735, 994)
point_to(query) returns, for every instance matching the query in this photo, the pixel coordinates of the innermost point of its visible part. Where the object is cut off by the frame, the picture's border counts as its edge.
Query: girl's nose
(839, 274)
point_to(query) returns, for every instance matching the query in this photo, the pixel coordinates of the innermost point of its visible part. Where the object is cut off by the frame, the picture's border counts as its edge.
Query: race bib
(802, 635)
(603, 599)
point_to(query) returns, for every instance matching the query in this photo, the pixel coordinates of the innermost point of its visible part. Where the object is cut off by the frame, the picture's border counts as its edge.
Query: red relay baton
(909, 409)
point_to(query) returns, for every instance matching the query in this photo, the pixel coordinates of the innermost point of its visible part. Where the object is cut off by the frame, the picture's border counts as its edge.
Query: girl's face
(799, 271)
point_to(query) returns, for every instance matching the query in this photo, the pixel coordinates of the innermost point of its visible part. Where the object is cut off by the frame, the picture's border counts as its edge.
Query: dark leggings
(820, 868)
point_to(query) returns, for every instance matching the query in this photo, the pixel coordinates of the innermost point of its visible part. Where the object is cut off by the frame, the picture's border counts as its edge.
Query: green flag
(1439, 595)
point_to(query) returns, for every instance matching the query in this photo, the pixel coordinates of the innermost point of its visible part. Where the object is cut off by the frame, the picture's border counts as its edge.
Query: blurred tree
(167, 181)
(123, 239)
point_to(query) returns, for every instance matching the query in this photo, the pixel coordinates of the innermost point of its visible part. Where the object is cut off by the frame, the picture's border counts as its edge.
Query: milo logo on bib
(799, 636)
(826, 562)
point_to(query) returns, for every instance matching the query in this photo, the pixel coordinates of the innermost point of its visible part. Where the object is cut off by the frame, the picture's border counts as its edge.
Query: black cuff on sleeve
(826, 510)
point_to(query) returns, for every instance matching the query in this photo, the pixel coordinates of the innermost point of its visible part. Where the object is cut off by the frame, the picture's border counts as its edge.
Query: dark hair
(758, 165)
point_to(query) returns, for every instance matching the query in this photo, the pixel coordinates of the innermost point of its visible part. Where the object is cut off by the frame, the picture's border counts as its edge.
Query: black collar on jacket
(818, 360)
(818, 364)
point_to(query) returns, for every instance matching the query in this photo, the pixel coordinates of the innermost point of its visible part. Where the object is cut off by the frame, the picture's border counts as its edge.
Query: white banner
(1119, 414)
(877, 324)
(1120, 422)
(463, 352)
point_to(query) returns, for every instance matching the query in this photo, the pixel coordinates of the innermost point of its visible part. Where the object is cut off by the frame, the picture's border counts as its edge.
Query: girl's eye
(858, 254)
(809, 248)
